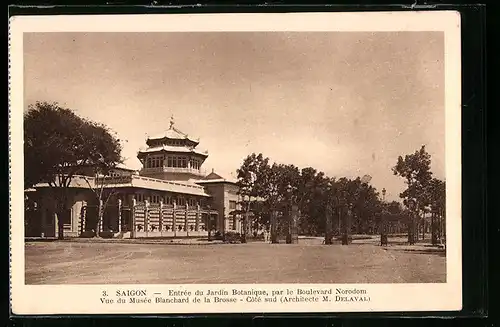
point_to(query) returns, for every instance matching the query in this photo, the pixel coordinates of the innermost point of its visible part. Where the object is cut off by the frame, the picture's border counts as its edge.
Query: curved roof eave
(164, 137)
(199, 153)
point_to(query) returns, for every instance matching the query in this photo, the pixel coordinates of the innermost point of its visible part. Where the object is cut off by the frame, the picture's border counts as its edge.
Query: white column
(146, 217)
(198, 216)
(101, 221)
(119, 215)
(56, 224)
(132, 218)
(186, 218)
(160, 217)
(174, 220)
(83, 217)
(75, 216)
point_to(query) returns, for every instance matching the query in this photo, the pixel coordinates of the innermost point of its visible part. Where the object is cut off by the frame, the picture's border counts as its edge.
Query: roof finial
(172, 121)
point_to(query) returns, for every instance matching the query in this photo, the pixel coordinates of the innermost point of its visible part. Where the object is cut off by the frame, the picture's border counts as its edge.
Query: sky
(345, 103)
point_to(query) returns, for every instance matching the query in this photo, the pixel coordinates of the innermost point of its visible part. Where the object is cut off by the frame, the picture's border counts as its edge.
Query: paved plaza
(55, 262)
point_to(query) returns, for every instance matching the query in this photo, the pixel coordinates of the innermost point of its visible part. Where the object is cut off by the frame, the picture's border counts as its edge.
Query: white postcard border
(85, 299)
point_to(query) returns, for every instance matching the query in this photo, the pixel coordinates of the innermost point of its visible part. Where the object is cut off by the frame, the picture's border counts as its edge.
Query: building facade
(168, 197)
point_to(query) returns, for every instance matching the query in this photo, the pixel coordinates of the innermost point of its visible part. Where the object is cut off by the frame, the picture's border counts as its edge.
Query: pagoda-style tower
(172, 156)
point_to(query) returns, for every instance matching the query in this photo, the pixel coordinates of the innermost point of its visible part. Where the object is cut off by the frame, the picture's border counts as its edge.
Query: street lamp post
(383, 222)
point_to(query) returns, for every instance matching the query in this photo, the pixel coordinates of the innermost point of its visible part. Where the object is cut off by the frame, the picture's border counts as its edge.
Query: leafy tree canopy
(57, 142)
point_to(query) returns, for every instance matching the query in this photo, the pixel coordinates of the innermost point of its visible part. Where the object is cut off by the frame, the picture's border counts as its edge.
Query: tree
(311, 200)
(58, 145)
(250, 183)
(365, 207)
(288, 189)
(437, 198)
(330, 197)
(415, 169)
(271, 192)
(98, 185)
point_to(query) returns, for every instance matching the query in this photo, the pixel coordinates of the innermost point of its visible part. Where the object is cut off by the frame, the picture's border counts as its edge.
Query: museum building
(168, 197)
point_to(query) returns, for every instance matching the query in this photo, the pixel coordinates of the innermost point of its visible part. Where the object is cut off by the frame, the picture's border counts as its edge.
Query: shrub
(91, 234)
(88, 234)
(106, 234)
(232, 237)
(217, 236)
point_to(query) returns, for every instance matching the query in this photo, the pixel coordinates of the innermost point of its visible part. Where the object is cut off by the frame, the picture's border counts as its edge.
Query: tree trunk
(383, 231)
(439, 225)
(60, 224)
(244, 231)
(328, 227)
(274, 231)
(434, 238)
(100, 215)
(443, 223)
(424, 226)
(346, 225)
(60, 211)
(411, 230)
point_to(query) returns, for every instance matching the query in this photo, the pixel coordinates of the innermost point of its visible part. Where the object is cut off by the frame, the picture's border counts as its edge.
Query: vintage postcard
(218, 163)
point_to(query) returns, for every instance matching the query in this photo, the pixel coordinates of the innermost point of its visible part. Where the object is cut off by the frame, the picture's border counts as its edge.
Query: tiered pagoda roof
(172, 134)
(173, 140)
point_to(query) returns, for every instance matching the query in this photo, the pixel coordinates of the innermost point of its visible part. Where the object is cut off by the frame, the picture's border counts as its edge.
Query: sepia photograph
(235, 157)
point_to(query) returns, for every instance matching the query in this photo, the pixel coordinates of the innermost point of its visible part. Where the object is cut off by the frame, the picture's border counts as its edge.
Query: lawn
(108, 263)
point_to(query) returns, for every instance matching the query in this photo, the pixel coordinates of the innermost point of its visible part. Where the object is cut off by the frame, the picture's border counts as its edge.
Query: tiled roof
(173, 133)
(170, 186)
(219, 180)
(123, 167)
(216, 178)
(139, 182)
(169, 148)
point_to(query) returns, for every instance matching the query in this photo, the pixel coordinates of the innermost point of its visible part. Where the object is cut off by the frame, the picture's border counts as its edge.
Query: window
(154, 162)
(183, 162)
(192, 202)
(232, 205)
(155, 199)
(177, 162)
(194, 164)
(66, 216)
(175, 142)
(181, 201)
(167, 199)
(139, 197)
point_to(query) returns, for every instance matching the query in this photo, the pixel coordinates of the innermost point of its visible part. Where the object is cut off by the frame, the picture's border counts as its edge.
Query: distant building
(168, 196)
